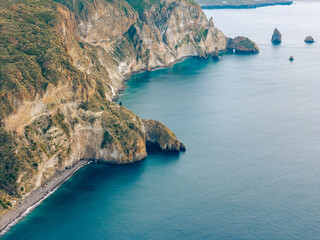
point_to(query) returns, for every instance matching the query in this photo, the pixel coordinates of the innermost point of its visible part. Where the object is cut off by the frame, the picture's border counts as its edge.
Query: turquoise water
(251, 125)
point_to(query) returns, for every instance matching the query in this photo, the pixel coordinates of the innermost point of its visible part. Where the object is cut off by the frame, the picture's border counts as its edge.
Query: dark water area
(251, 125)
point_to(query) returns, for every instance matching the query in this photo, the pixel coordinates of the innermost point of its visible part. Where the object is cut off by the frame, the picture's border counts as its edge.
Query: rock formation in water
(276, 37)
(309, 39)
(159, 135)
(242, 45)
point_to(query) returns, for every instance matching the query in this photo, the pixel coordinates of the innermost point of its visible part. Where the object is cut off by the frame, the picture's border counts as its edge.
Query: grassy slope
(32, 53)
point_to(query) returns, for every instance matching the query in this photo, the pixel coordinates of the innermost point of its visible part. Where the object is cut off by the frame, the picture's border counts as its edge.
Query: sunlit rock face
(60, 109)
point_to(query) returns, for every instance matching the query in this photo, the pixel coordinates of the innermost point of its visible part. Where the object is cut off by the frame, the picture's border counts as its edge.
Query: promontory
(63, 62)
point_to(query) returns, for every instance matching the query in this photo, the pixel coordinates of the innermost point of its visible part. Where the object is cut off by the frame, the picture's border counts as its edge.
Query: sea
(251, 126)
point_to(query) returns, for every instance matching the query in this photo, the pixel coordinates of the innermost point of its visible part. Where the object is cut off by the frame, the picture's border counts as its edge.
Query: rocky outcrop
(309, 39)
(100, 131)
(242, 45)
(56, 100)
(159, 135)
(216, 52)
(103, 132)
(276, 37)
(166, 32)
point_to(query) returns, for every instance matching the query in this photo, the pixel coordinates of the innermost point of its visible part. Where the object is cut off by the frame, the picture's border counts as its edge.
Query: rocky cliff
(64, 61)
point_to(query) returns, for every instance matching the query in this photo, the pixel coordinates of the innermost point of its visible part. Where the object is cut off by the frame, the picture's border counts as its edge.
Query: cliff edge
(64, 61)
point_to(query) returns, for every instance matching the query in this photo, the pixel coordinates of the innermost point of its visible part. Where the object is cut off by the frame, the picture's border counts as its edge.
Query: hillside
(62, 64)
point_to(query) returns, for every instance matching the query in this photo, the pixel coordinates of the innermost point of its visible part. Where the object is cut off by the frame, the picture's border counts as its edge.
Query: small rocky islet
(276, 37)
(309, 39)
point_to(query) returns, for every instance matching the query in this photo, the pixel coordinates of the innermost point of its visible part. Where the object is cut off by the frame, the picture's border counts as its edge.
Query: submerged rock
(291, 58)
(242, 45)
(159, 135)
(276, 37)
(309, 39)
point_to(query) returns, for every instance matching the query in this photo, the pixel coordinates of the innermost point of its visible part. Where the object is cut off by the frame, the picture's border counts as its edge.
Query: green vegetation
(33, 54)
(118, 122)
(59, 119)
(107, 139)
(247, 43)
(10, 162)
(202, 34)
(3, 204)
(141, 5)
(81, 7)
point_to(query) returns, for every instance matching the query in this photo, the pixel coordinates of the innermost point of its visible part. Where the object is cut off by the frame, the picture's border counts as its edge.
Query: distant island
(211, 4)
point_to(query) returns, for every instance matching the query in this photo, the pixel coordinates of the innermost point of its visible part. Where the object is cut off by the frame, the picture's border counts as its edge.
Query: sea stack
(309, 39)
(276, 37)
(291, 58)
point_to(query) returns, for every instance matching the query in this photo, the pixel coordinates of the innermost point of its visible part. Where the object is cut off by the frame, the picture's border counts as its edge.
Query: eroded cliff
(62, 64)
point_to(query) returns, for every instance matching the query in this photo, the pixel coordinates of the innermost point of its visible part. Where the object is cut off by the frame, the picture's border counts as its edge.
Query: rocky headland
(242, 45)
(63, 63)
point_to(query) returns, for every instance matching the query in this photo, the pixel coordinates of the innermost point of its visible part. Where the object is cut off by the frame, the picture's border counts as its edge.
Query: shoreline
(243, 6)
(34, 199)
(128, 76)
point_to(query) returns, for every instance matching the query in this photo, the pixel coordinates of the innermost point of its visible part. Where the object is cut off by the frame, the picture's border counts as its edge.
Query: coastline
(244, 6)
(36, 197)
(31, 201)
(128, 76)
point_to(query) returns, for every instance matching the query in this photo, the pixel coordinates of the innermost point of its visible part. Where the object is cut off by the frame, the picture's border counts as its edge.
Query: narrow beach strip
(36, 197)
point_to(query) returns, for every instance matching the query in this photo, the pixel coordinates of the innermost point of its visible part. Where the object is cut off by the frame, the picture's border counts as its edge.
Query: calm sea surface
(251, 125)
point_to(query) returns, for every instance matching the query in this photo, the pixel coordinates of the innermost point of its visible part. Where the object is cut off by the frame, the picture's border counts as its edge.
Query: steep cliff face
(101, 131)
(64, 61)
(159, 135)
(153, 37)
(87, 49)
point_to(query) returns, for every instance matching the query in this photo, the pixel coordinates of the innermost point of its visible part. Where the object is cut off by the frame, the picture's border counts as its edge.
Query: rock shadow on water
(182, 68)
(154, 152)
